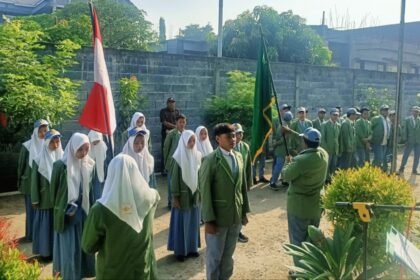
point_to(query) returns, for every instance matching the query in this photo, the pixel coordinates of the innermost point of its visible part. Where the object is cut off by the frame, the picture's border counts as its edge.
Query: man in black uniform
(168, 117)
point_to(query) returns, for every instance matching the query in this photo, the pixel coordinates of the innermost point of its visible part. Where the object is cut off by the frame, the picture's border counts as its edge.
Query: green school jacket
(363, 131)
(224, 199)
(316, 123)
(278, 140)
(297, 141)
(40, 189)
(347, 137)
(24, 172)
(122, 252)
(330, 137)
(377, 127)
(411, 132)
(180, 189)
(169, 147)
(306, 174)
(243, 148)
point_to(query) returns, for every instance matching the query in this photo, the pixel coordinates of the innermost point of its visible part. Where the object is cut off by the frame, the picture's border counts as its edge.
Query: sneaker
(264, 180)
(285, 184)
(274, 187)
(242, 238)
(254, 180)
(415, 172)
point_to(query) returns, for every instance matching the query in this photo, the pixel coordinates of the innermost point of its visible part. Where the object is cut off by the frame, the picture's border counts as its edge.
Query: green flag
(263, 100)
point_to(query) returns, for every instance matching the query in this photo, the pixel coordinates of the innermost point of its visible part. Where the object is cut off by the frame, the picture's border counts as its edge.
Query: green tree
(122, 25)
(195, 32)
(288, 38)
(32, 84)
(162, 30)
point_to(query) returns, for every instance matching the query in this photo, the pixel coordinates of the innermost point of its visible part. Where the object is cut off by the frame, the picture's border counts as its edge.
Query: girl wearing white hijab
(70, 185)
(203, 142)
(136, 148)
(120, 224)
(42, 166)
(97, 152)
(184, 228)
(28, 153)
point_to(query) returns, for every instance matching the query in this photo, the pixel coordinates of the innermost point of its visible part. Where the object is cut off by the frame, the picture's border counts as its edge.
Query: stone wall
(193, 79)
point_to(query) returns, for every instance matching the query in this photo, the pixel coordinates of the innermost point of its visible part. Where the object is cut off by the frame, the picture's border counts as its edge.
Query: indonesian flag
(99, 111)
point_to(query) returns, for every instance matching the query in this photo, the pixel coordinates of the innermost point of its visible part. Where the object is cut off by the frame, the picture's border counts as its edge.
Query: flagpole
(274, 90)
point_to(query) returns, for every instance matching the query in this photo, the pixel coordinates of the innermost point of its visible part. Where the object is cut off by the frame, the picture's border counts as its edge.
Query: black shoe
(180, 258)
(415, 172)
(264, 180)
(274, 187)
(194, 255)
(242, 238)
(284, 184)
(254, 180)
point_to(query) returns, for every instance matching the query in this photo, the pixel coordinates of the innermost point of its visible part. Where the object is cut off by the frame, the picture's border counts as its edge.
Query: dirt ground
(261, 258)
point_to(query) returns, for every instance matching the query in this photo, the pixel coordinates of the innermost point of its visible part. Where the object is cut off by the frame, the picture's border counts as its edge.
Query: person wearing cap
(348, 140)
(243, 148)
(330, 131)
(381, 128)
(320, 119)
(306, 174)
(42, 243)
(223, 189)
(169, 147)
(299, 126)
(390, 145)
(411, 136)
(168, 116)
(363, 136)
(28, 153)
(279, 147)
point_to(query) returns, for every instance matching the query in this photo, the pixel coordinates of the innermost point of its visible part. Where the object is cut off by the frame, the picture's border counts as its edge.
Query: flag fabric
(99, 112)
(263, 101)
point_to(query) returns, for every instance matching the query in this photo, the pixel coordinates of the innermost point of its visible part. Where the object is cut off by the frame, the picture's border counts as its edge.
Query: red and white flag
(99, 111)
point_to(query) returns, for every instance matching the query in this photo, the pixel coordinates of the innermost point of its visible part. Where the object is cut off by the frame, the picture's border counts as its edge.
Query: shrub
(12, 261)
(369, 184)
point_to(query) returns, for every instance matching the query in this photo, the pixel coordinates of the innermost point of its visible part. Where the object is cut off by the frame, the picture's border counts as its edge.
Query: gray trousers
(220, 249)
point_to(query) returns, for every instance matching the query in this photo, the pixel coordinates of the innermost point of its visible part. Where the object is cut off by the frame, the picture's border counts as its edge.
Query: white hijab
(46, 159)
(189, 160)
(133, 124)
(98, 153)
(204, 147)
(126, 193)
(78, 170)
(144, 159)
(34, 145)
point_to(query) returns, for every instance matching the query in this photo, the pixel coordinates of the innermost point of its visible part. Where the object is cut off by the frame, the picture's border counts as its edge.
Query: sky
(179, 13)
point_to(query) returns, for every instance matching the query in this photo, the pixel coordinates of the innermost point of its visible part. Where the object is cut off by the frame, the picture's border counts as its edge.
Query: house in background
(13, 8)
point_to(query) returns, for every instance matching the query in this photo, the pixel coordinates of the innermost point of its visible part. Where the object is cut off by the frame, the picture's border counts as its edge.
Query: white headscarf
(133, 124)
(144, 159)
(46, 159)
(98, 153)
(126, 193)
(34, 145)
(189, 160)
(204, 147)
(78, 170)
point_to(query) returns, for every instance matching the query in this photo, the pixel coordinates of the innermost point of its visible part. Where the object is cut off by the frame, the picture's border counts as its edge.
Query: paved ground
(261, 258)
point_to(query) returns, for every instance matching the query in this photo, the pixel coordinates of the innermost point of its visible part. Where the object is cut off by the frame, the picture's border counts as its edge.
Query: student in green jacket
(119, 226)
(363, 136)
(299, 126)
(29, 151)
(306, 174)
(320, 119)
(330, 140)
(243, 148)
(381, 128)
(71, 181)
(348, 140)
(223, 185)
(411, 136)
(169, 147)
(42, 243)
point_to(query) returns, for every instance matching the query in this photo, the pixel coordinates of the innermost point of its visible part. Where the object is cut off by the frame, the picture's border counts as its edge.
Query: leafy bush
(12, 261)
(369, 184)
(327, 258)
(236, 105)
(375, 99)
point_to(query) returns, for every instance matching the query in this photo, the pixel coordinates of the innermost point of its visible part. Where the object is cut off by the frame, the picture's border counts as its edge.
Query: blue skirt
(68, 258)
(152, 181)
(29, 210)
(97, 189)
(43, 232)
(184, 231)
